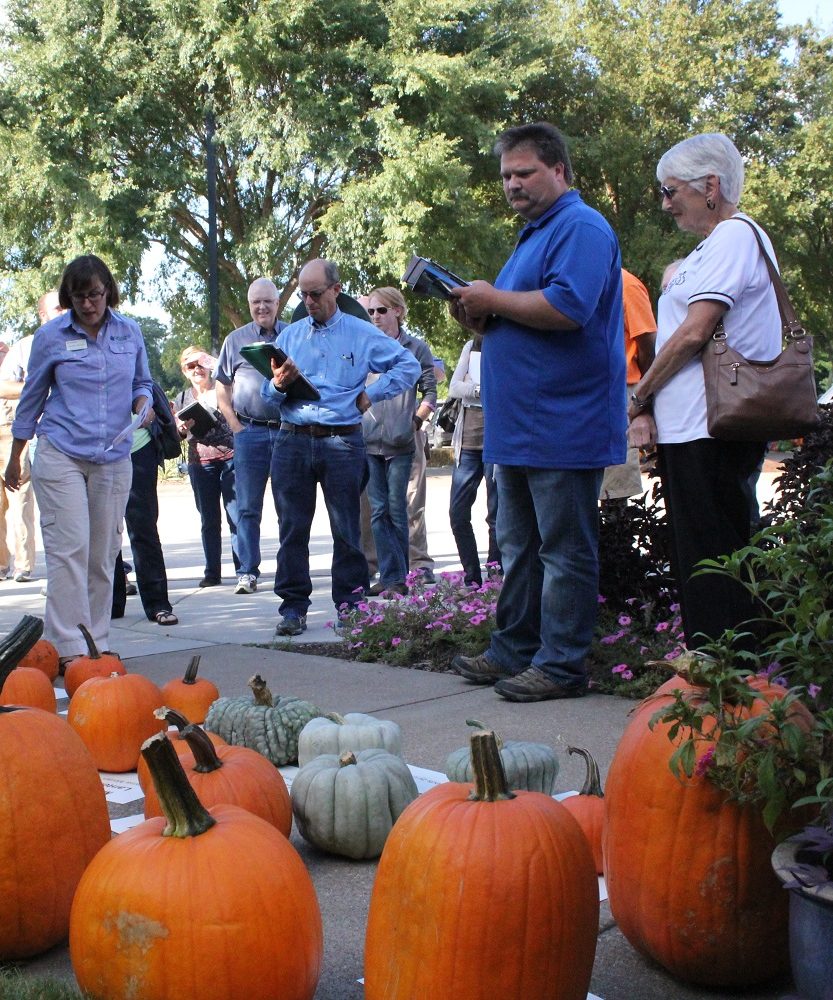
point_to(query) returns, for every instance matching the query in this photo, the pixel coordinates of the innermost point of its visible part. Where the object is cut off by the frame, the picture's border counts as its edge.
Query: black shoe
(387, 590)
(427, 575)
(210, 581)
(130, 590)
(291, 624)
(478, 669)
(534, 685)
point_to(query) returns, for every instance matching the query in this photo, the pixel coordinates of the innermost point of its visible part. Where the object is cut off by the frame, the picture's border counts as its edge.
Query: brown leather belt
(321, 430)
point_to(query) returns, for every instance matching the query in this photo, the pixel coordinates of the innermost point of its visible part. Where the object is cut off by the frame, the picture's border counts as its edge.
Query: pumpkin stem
(186, 815)
(346, 758)
(490, 783)
(339, 720)
(593, 781)
(172, 717)
(263, 696)
(205, 755)
(190, 676)
(92, 649)
(479, 725)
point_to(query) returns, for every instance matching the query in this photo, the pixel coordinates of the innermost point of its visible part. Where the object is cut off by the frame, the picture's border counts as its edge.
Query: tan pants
(82, 508)
(17, 513)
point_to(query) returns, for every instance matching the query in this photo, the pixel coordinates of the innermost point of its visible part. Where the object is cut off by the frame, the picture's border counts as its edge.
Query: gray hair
(694, 159)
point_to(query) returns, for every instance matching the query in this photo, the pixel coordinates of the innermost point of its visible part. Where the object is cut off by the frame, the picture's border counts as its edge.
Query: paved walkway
(431, 709)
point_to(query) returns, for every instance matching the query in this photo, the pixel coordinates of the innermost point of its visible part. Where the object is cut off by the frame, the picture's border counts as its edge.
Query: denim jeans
(387, 490)
(253, 447)
(299, 464)
(213, 484)
(548, 532)
(465, 482)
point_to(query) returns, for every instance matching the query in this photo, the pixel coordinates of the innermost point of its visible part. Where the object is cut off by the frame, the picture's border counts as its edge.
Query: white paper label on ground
(126, 823)
(121, 788)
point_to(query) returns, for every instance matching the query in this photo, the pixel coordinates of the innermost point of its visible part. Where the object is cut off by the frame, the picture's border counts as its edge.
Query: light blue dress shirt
(337, 357)
(83, 389)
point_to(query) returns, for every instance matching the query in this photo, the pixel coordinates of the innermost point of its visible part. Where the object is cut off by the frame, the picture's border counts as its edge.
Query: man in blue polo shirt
(553, 392)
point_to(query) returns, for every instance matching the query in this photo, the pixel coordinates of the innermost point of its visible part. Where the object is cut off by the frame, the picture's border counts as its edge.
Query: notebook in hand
(259, 356)
(426, 277)
(204, 419)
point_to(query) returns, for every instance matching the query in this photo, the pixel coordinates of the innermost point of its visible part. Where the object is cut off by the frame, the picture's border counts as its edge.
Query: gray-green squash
(353, 731)
(347, 804)
(262, 723)
(532, 767)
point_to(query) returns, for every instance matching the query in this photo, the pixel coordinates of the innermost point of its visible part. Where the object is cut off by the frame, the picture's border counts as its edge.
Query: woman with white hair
(724, 278)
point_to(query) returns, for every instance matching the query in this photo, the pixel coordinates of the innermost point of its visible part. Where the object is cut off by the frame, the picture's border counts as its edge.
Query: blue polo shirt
(555, 399)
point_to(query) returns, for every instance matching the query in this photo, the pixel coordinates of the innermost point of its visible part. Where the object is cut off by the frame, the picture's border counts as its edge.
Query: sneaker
(387, 590)
(534, 685)
(478, 669)
(427, 575)
(4, 572)
(22, 577)
(246, 584)
(291, 624)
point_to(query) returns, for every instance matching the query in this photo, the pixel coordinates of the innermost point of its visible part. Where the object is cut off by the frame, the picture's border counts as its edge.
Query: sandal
(165, 618)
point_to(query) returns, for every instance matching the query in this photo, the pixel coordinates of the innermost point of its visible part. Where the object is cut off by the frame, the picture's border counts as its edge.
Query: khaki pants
(82, 508)
(17, 513)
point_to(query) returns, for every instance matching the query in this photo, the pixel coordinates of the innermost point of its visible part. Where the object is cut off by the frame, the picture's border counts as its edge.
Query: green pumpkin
(348, 804)
(532, 767)
(353, 731)
(264, 724)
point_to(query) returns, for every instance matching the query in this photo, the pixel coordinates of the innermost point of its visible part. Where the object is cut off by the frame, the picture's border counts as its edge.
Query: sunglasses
(667, 192)
(191, 365)
(374, 310)
(316, 295)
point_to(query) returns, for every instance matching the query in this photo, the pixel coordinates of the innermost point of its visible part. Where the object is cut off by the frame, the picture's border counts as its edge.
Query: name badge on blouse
(76, 345)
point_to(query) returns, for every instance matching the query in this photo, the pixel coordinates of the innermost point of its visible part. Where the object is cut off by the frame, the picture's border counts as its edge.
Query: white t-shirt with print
(726, 267)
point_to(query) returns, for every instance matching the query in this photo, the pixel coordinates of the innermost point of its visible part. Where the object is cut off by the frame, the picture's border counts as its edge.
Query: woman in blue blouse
(88, 377)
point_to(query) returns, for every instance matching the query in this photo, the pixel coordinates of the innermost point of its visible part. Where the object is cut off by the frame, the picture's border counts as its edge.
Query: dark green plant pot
(811, 927)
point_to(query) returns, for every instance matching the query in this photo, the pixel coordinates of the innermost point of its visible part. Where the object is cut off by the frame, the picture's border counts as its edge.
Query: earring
(709, 204)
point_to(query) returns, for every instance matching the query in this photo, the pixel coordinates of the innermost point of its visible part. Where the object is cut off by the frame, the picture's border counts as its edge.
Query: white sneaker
(22, 577)
(246, 584)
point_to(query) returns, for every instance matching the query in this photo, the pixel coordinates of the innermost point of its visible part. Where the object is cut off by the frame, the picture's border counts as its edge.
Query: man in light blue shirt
(321, 441)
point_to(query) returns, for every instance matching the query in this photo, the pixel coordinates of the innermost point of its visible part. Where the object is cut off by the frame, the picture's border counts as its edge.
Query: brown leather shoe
(534, 685)
(478, 669)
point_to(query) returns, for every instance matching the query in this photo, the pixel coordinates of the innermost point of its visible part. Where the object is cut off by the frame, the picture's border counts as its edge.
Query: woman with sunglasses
(724, 279)
(87, 383)
(210, 463)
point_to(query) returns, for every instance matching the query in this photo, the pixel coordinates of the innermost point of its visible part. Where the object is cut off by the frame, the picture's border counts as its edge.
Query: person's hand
(363, 402)
(11, 477)
(184, 426)
(284, 375)
(457, 310)
(642, 432)
(150, 416)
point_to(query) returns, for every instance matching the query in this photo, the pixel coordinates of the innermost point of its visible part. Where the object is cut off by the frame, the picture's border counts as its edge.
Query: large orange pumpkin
(587, 808)
(53, 820)
(191, 695)
(180, 723)
(44, 656)
(483, 895)
(94, 664)
(233, 775)
(114, 716)
(198, 904)
(687, 871)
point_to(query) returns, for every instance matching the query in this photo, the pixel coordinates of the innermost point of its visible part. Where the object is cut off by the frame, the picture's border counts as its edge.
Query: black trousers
(704, 483)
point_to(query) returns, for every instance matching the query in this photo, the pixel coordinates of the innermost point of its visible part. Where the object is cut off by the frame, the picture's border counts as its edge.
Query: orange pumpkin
(44, 656)
(587, 808)
(483, 895)
(191, 695)
(94, 664)
(28, 686)
(233, 775)
(53, 820)
(114, 716)
(176, 719)
(197, 904)
(687, 870)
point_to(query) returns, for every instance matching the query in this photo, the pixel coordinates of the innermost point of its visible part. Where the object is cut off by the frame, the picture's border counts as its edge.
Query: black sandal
(165, 618)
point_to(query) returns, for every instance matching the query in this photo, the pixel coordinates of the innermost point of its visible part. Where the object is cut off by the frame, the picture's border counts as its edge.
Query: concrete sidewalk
(430, 708)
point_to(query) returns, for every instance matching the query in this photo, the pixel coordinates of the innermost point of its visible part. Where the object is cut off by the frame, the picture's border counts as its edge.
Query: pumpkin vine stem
(593, 781)
(263, 696)
(490, 783)
(200, 745)
(190, 676)
(172, 716)
(186, 815)
(92, 649)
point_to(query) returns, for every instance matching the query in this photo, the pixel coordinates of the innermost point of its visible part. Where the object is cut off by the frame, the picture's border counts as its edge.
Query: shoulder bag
(761, 400)
(448, 414)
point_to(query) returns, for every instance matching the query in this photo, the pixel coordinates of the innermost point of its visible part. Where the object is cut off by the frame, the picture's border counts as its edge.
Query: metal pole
(213, 285)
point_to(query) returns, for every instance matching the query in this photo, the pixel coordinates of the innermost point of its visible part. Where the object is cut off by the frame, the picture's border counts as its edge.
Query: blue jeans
(387, 491)
(465, 482)
(213, 483)
(299, 464)
(548, 532)
(253, 447)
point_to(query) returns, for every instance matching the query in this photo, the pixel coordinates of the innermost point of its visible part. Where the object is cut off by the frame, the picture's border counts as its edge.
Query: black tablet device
(260, 357)
(426, 277)
(204, 419)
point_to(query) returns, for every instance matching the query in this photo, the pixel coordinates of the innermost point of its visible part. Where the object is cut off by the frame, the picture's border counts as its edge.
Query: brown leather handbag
(762, 400)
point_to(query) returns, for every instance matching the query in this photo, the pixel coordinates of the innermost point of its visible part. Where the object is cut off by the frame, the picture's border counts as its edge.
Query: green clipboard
(260, 357)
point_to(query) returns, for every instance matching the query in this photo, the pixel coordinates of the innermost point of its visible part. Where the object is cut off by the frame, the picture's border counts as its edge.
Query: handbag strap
(792, 326)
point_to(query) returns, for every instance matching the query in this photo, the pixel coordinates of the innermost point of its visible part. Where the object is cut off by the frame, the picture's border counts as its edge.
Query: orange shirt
(639, 320)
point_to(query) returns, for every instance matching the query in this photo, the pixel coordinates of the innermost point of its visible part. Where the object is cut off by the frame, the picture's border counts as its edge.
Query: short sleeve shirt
(245, 380)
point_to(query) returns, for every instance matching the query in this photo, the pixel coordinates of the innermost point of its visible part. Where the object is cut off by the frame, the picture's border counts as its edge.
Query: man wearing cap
(321, 441)
(254, 421)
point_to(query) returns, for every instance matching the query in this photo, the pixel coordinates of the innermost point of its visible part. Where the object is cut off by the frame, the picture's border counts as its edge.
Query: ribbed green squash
(264, 724)
(348, 804)
(532, 767)
(354, 731)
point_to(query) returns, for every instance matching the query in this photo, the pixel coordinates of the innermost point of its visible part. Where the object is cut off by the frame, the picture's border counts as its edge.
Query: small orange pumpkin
(44, 656)
(94, 664)
(176, 719)
(191, 695)
(28, 686)
(233, 775)
(114, 716)
(588, 808)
